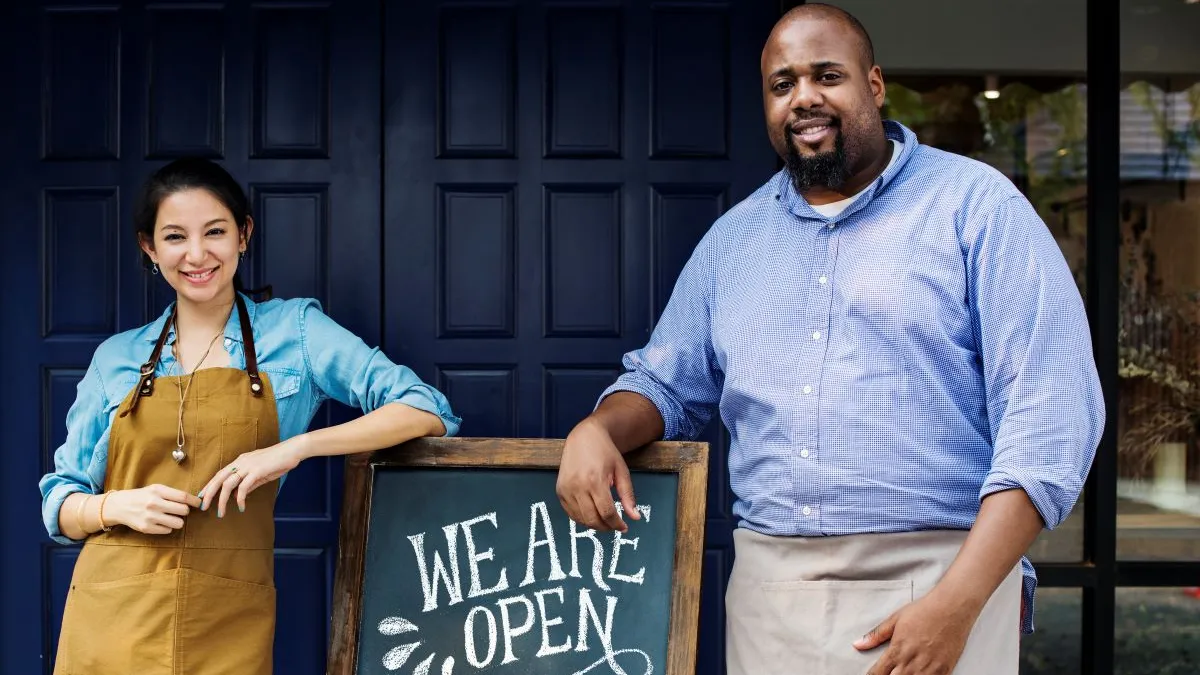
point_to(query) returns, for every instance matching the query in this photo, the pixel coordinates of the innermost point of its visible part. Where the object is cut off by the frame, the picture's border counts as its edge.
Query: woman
(178, 421)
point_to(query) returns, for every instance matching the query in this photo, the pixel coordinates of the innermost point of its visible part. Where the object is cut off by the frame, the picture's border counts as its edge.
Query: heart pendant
(178, 455)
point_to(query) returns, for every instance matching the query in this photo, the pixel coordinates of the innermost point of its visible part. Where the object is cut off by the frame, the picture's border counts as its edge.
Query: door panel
(550, 167)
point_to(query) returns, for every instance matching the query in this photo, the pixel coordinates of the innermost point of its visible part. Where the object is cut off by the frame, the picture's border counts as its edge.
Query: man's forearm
(630, 419)
(1005, 528)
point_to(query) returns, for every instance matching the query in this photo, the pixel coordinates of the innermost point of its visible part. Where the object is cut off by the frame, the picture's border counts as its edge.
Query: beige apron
(796, 605)
(200, 600)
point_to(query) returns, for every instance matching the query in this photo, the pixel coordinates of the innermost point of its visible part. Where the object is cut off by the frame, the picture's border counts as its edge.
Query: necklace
(178, 454)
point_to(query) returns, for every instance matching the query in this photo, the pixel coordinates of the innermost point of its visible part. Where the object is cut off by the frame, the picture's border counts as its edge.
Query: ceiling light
(991, 87)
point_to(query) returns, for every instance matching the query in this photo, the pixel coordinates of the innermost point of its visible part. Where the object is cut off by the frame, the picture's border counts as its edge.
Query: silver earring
(154, 268)
(242, 254)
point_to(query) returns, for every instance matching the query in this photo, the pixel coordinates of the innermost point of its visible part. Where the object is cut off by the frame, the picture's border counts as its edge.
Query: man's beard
(825, 169)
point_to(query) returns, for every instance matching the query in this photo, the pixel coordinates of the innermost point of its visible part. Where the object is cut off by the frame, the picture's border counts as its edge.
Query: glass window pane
(1157, 631)
(1054, 646)
(1159, 335)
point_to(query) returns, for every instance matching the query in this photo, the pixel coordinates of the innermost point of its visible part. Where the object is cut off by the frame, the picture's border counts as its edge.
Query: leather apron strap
(256, 386)
(146, 372)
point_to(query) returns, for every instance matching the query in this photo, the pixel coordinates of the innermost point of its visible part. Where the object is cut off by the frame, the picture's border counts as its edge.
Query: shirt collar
(787, 195)
(233, 327)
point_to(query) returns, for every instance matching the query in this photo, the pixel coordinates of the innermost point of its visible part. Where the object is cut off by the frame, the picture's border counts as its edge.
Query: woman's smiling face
(196, 245)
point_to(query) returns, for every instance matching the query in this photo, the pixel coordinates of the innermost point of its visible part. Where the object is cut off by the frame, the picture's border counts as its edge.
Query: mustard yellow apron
(202, 598)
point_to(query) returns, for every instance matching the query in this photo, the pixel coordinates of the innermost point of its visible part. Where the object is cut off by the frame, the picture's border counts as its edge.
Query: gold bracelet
(102, 500)
(79, 514)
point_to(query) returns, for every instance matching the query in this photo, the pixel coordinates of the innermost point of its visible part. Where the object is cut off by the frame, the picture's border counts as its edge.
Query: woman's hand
(250, 471)
(154, 509)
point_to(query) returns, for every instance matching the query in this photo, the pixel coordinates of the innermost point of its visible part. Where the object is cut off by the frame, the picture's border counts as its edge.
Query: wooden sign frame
(687, 459)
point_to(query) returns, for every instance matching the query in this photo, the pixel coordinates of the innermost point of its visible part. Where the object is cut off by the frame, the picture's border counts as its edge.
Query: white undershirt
(835, 208)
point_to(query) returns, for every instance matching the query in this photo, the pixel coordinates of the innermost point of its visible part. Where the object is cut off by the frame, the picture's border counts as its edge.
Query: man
(903, 362)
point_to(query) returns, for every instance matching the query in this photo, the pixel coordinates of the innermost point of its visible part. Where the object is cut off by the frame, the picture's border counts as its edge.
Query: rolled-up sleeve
(87, 429)
(348, 371)
(1045, 405)
(677, 369)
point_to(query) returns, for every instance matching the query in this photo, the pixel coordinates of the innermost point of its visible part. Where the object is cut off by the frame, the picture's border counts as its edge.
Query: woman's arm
(345, 369)
(64, 488)
(70, 508)
(397, 405)
(79, 516)
(390, 425)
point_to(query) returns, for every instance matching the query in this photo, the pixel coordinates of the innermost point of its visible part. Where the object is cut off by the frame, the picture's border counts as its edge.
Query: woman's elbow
(414, 422)
(434, 425)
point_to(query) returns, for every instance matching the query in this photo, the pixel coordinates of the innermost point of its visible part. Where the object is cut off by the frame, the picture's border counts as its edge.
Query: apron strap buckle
(145, 385)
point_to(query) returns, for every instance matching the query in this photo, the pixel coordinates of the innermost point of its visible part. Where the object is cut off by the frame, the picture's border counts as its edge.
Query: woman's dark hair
(190, 173)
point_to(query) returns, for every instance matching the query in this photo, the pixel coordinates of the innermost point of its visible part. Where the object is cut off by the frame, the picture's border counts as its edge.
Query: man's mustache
(808, 120)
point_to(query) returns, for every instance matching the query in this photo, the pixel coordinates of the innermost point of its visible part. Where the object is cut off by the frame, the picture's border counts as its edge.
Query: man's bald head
(822, 94)
(822, 11)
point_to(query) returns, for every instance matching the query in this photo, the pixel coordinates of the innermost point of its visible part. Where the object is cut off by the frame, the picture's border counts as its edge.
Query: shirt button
(816, 335)
(228, 342)
(806, 511)
(807, 389)
(804, 453)
(822, 279)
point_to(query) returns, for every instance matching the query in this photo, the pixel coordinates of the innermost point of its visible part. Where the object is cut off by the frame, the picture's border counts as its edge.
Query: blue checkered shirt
(884, 369)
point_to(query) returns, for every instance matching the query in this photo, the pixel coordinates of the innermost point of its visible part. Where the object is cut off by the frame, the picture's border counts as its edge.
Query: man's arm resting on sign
(593, 462)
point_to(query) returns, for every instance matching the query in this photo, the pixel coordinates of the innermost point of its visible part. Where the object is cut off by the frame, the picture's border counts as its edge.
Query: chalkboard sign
(455, 557)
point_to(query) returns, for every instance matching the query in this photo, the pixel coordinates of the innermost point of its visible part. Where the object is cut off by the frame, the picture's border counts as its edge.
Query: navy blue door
(550, 168)
(287, 97)
(500, 194)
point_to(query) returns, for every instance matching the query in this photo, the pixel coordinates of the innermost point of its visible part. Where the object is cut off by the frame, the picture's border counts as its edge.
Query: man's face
(821, 101)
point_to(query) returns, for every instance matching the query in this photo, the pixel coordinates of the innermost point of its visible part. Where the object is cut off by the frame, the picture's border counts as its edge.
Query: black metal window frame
(1099, 573)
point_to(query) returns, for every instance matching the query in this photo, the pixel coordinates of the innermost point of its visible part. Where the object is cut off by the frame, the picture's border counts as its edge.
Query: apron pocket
(226, 626)
(816, 622)
(119, 627)
(238, 435)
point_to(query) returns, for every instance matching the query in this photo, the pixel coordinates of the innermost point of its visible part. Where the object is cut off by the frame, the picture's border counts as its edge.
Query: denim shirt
(306, 355)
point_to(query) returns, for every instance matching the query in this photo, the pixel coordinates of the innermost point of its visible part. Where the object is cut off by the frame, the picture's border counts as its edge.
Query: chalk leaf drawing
(396, 657)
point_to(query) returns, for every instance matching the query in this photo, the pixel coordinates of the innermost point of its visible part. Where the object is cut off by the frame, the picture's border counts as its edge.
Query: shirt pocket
(290, 399)
(285, 382)
(116, 393)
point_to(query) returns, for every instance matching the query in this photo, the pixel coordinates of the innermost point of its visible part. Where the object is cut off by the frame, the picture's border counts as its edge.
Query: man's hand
(926, 637)
(591, 466)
